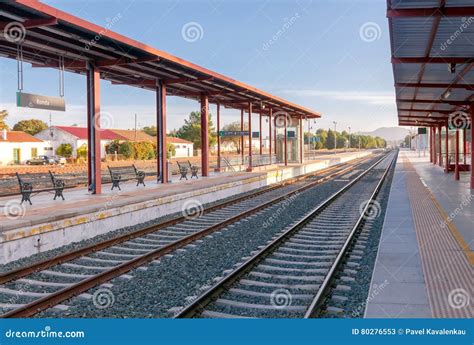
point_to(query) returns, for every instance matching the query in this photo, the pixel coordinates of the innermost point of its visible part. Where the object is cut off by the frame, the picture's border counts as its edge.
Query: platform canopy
(50, 34)
(432, 46)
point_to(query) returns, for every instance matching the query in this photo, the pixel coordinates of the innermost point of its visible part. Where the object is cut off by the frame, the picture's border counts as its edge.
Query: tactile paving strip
(448, 274)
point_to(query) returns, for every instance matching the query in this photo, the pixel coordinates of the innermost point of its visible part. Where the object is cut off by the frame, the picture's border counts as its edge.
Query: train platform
(49, 224)
(424, 261)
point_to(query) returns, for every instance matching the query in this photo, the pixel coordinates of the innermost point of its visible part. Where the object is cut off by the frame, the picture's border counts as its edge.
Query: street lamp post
(335, 137)
(349, 146)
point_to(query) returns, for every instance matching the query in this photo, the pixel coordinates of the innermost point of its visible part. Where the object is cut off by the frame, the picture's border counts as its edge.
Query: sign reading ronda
(29, 100)
(233, 133)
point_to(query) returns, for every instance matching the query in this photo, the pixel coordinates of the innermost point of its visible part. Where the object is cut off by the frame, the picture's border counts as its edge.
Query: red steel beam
(260, 134)
(440, 153)
(123, 61)
(270, 132)
(472, 146)
(161, 157)
(242, 141)
(204, 134)
(436, 85)
(436, 60)
(431, 12)
(436, 101)
(250, 167)
(218, 128)
(186, 80)
(446, 150)
(93, 130)
(456, 156)
(32, 23)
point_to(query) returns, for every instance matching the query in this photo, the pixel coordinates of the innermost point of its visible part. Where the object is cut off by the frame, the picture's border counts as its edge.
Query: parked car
(59, 160)
(41, 160)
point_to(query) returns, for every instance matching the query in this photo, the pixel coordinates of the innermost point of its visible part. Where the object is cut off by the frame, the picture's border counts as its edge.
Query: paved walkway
(422, 267)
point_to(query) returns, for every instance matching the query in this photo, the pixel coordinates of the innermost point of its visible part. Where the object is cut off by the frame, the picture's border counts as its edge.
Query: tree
(330, 140)
(234, 140)
(64, 150)
(3, 116)
(191, 130)
(32, 126)
(150, 130)
(81, 151)
(170, 150)
(126, 149)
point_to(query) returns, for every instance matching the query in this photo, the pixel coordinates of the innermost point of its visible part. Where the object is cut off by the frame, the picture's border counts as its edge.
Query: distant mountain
(389, 133)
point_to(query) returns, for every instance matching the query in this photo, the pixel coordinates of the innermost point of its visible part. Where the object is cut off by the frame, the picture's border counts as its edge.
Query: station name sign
(28, 100)
(233, 133)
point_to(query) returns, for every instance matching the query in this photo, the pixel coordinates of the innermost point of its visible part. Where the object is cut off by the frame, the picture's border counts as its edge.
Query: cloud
(367, 97)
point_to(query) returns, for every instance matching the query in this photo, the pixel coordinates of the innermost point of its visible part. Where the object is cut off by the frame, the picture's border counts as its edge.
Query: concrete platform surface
(424, 262)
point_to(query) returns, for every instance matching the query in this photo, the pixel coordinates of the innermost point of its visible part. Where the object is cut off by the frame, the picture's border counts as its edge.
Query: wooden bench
(184, 167)
(37, 183)
(126, 173)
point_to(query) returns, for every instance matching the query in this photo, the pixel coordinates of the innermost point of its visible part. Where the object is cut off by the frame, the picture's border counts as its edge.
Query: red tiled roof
(174, 140)
(19, 137)
(81, 133)
(130, 135)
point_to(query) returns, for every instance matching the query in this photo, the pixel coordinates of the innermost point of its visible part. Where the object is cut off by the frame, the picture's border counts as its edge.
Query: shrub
(64, 150)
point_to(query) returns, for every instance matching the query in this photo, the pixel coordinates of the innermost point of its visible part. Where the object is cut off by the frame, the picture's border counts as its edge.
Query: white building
(76, 137)
(182, 147)
(16, 147)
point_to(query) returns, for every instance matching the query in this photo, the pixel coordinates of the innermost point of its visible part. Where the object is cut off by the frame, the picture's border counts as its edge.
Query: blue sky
(333, 57)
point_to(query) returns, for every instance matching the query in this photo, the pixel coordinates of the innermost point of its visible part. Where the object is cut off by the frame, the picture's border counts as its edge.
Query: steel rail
(207, 297)
(314, 308)
(59, 296)
(47, 263)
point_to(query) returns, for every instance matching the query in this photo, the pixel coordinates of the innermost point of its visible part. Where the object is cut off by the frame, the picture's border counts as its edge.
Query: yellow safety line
(454, 230)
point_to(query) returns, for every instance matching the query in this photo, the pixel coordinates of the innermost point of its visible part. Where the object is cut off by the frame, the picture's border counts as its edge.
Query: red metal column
(456, 158)
(270, 133)
(242, 142)
(204, 134)
(161, 157)
(446, 147)
(301, 141)
(218, 137)
(464, 145)
(431, 144)
(93, 130)
(275, 135)
(286, 142)
(472, 146)
(260, 134)
(249, 168)
(440, 153)
(435, 157)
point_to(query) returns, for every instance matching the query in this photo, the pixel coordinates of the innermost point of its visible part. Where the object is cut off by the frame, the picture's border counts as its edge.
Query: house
(134, 135)
(17, 147)
(182, 147)
(76, 137)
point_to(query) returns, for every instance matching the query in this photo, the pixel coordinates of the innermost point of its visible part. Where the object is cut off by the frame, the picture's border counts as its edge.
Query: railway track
(27, 291)
(293, 274)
